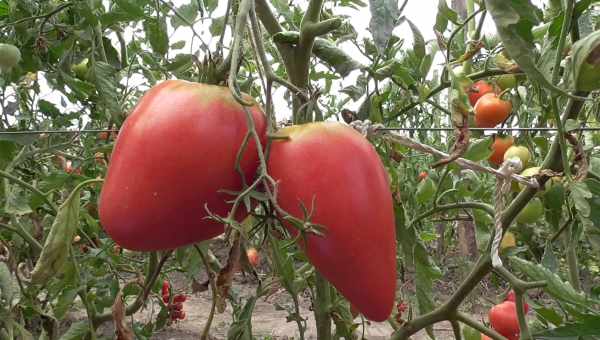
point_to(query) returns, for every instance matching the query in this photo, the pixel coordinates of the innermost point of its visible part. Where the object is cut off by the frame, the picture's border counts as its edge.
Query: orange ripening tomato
(490, 111)
(173, 156)
(332, 168)
(499, 147)
(512, 297)
(503, 319)
(478, 89)
(253, 257)
(423, 175)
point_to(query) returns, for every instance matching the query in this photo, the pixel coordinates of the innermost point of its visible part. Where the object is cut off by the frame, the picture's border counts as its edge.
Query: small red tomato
(166, 288)
(253, 257)
(499, 147)
(178, 306)
(423, 175)
(103, 135)
(503, 318)
(477, 90)
(179, 298)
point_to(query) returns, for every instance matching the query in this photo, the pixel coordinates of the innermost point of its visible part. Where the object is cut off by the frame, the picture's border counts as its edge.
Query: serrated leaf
(58, 242)
(157, 35)
(241, 328)
(188, 11)
(384, 14)
(106, 85)
(479, 150)
(589, 326)
(419, 41)
(77, 331)
(580, 195)
(217, 26)
(64, 302)
(556, 287)
(444, 14)
(282, 265)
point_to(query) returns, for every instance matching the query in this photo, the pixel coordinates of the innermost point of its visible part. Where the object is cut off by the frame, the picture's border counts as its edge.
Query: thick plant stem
(322, 305)
(566, 27)
(571, 248)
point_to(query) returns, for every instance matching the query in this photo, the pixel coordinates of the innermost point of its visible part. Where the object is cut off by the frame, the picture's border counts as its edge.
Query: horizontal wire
(39, 132)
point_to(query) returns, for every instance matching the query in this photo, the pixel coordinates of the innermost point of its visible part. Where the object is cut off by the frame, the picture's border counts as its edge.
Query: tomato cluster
(176, 158)
(490, 109)
(174, 307)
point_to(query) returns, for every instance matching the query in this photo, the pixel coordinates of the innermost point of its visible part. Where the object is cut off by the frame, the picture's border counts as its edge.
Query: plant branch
(213, 287)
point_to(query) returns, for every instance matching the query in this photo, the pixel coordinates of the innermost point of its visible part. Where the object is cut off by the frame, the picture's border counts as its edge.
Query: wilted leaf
(384, 14)
(118, 312)
(225, 276)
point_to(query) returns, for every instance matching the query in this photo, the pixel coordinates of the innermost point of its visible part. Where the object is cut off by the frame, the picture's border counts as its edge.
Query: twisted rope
(503, 185)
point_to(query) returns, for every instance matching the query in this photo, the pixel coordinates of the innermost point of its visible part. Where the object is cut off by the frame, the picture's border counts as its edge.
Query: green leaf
(444, 14)
(383, 21)
(514, 23)
(554, 199)
(58, 243)
(78, 331)
(571, 125)
(282, 265)
(156, 35)
(556, 287)
(65, 302)
(188, 11)
(16, 201)
(6, 284)
(550, 315)
(479, 150)
(419, 42)
(178, 45)
(106, 85)
(241, 328)
(580, 195)
(133, 8)
(585, 66)
(589, 326)
(217, 26)
(23, 139)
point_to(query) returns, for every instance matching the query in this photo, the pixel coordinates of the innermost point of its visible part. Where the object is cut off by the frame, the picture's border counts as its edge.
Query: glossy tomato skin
(478, 89)
(499, 147)
(174, 152)
(503, 319)
(341, 170)
(491, 110)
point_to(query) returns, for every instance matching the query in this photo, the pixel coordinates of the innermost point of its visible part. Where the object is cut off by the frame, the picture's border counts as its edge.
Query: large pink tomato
(338, 168)
(174, 153)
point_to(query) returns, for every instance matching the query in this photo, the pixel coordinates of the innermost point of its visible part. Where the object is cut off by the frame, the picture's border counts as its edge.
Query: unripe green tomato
(9, 56)
(532, 212)
(81, 69)
(506, 81)
(589, 77)
(520, 152)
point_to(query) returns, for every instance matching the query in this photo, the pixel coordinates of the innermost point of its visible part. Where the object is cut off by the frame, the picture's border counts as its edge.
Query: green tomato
(532, 212)
(9, 56)
(507, 81)
(81, 69)
(589, 77)
(520, 152)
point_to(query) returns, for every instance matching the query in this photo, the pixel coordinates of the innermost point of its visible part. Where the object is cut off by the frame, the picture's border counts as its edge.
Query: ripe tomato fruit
(532, 212)
(335, 167)
(503, 319)
(490, 110)
(512, 297)
(478, 89)
(173, 154)
(423, 175)
(253, 257)
(518, 151)
(499, 147)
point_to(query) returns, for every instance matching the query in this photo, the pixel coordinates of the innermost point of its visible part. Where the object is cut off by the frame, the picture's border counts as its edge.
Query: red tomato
(503, 318)
(499, 147)
(338, 168)
(491, 111)
(179, 298)
(253, 257)
(423, 175)
(485, 337)
(477, 90)
(512, 297)
(166, 288)
(174, 152)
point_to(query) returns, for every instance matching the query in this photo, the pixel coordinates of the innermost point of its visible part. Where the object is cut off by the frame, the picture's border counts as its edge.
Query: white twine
(367, 128)
(503, 186)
